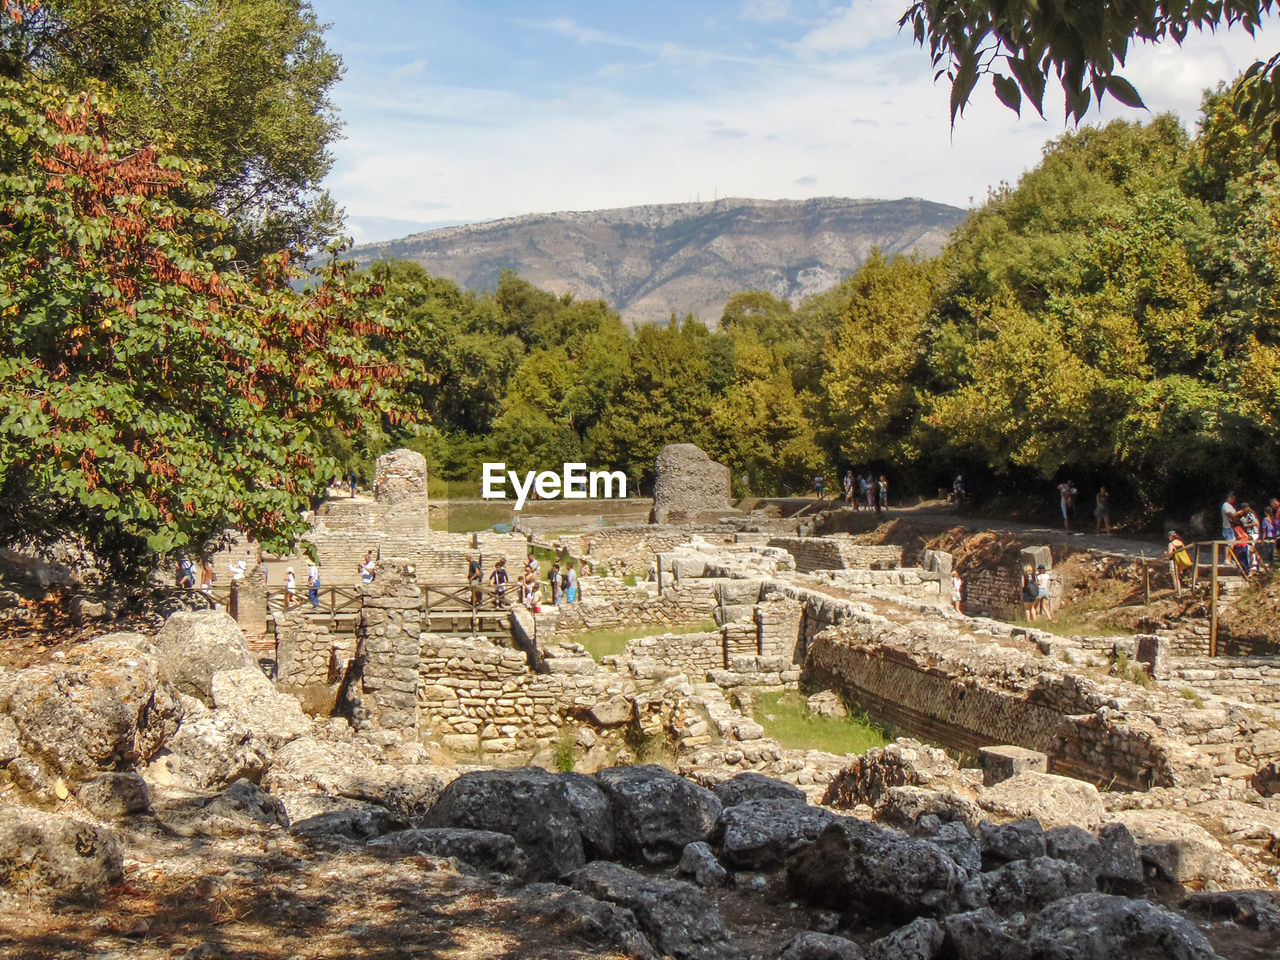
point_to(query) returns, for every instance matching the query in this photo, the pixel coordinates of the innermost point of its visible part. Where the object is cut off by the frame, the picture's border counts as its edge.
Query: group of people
(561, 580)
(1253, 538)
(864, 491)
(1067, 494)
(1036, 599)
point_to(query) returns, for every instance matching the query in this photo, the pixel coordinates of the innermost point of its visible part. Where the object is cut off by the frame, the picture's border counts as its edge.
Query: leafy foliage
(153, 395)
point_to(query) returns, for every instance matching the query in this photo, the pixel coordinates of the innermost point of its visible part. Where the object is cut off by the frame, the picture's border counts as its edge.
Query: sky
(459, 111)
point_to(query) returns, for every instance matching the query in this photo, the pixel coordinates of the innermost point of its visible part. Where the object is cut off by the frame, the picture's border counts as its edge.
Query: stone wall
(304, 649)
(687, 483)
(383, 689)
(838, 552)
(994, 592)
(693, 654)
(1249, 680)
(694, 600)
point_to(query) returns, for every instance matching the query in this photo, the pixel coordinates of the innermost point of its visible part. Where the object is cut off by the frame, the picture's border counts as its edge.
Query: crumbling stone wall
(688, 483)
(304, 649)
(694, 600)
(838, 552)
(385, 708)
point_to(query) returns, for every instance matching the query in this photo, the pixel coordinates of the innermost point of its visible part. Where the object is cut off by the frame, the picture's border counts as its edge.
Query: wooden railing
(1220, 554)
(482, 608)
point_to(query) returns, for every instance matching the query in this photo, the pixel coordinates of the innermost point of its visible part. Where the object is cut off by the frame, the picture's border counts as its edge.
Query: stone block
(1035, 557)
(1002, 762)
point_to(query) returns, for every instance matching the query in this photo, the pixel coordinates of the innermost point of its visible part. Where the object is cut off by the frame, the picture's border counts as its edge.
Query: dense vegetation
(1112, 317)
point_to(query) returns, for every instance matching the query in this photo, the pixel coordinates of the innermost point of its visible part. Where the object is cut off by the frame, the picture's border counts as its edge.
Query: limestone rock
(246, 694)
(686, 483)
(921, 939)
(955, 840)
(610, 713)
(761, 834)
(1255, 909)
(862, 863)
(750, 785)
(485, 850)
(1121, 866)
(400, 476)
(903, 807)
(981, 935)
(614, 925)
(698, 861)
(591, 808)
(675, 916)
(826, 703)
(103, 708)
(1179, 850)
(360, 822)
(527, 803)
(656, 812)
(209, 752)
(46, 854)
(194, 645)
(1027, 884)
(820, 946)
(243, 808)
(1020, 840)
(110, 795)
(1054, 801)
(1096, 926)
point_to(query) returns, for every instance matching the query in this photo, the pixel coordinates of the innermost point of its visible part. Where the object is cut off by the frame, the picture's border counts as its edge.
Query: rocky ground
(163, 800)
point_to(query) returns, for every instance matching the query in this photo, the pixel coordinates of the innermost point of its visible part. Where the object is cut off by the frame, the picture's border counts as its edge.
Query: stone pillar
(248, 606)
(1006, 761)
(304, 649)
(388, 655)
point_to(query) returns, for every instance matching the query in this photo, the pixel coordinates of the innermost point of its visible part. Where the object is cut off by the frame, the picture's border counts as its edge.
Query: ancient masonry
(687, 483)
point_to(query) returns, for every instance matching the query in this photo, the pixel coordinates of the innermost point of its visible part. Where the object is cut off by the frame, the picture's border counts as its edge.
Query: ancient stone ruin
(688, 484)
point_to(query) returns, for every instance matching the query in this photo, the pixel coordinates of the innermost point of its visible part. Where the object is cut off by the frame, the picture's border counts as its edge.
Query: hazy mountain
(649, 262)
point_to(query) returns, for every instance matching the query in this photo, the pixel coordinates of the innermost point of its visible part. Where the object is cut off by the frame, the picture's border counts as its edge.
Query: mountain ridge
(653, 260)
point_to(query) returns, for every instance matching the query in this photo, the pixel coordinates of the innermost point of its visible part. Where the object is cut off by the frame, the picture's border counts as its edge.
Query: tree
(152, 395)
(1020, 43)
(240, 87)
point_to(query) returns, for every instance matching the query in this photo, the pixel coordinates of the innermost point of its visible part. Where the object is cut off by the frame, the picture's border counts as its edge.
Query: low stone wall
(838, 552)
(994, 592)
(964, 692)
(909, 582)
(693, 654)
(304, 649)
(692, 601)
(1249, 680)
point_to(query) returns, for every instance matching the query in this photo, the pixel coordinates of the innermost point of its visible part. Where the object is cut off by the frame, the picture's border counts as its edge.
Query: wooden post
(1146, 577)
(1213, 605)
(1195, 571)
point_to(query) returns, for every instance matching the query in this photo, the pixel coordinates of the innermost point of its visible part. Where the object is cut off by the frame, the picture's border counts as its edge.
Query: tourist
(870, 491)
(553, 577)
(187, 574)
(957, 590)
(206, 578)
(290, 588)
(1044, 603)
(884, 493)
(475, 578)
(237, 569)
(1102, 511)
(313, 584)
(817, 485)
(1067, 502)
(1229, 512)
(1270, 533)
(533, 592)
(1179, 560)
(499, 580)
(847, 483)
(570, 584)
(531, 564)
(862, 493)
(367, 569)
(351, 481)
(957, 489)
(1030, 594)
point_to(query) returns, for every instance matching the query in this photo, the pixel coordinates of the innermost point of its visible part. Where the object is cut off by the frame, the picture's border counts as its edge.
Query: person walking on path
(351, 481)
(848, 486)
(1179, 560)
(313, 584)
(1044, 603)
(290, 588)
(475, 578)
(957, 590)
(883, 491)
(1030, 594)
(817, 485)
(366, 568)
(1067, 501)
(553, 577)
(1102, 511)
(570, 584)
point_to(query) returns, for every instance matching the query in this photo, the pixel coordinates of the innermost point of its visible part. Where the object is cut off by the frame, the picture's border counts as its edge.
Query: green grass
(469, 517)
(785, 718)
(1072, 625)
(611, 641)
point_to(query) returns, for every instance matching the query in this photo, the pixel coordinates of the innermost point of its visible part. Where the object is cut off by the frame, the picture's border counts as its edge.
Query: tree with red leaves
(152, 395)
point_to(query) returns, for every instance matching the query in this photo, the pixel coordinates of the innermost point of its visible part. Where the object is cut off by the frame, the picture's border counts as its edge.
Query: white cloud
(852, 28)
(766, 11)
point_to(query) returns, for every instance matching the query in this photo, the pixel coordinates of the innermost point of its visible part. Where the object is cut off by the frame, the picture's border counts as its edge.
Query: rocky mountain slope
(651, 261)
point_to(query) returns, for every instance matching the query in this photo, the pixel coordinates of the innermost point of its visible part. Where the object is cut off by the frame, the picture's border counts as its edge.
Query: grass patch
(470, 517)
(1186, 693)
(785, 717)
(1073, 625)
(611, 641)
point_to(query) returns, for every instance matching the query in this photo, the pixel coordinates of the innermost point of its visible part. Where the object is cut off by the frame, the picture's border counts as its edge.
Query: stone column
(388, 654)
(248, 606)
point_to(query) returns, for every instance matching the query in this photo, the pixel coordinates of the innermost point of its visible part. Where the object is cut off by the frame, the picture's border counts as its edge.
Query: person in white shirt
(313, 584)
(290, 588)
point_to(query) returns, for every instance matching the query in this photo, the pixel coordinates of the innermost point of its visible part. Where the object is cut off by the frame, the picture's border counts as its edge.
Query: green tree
(241, 87)
(152, 396)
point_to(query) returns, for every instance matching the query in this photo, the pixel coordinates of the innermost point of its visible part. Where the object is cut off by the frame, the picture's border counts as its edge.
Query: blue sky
(466, 111)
